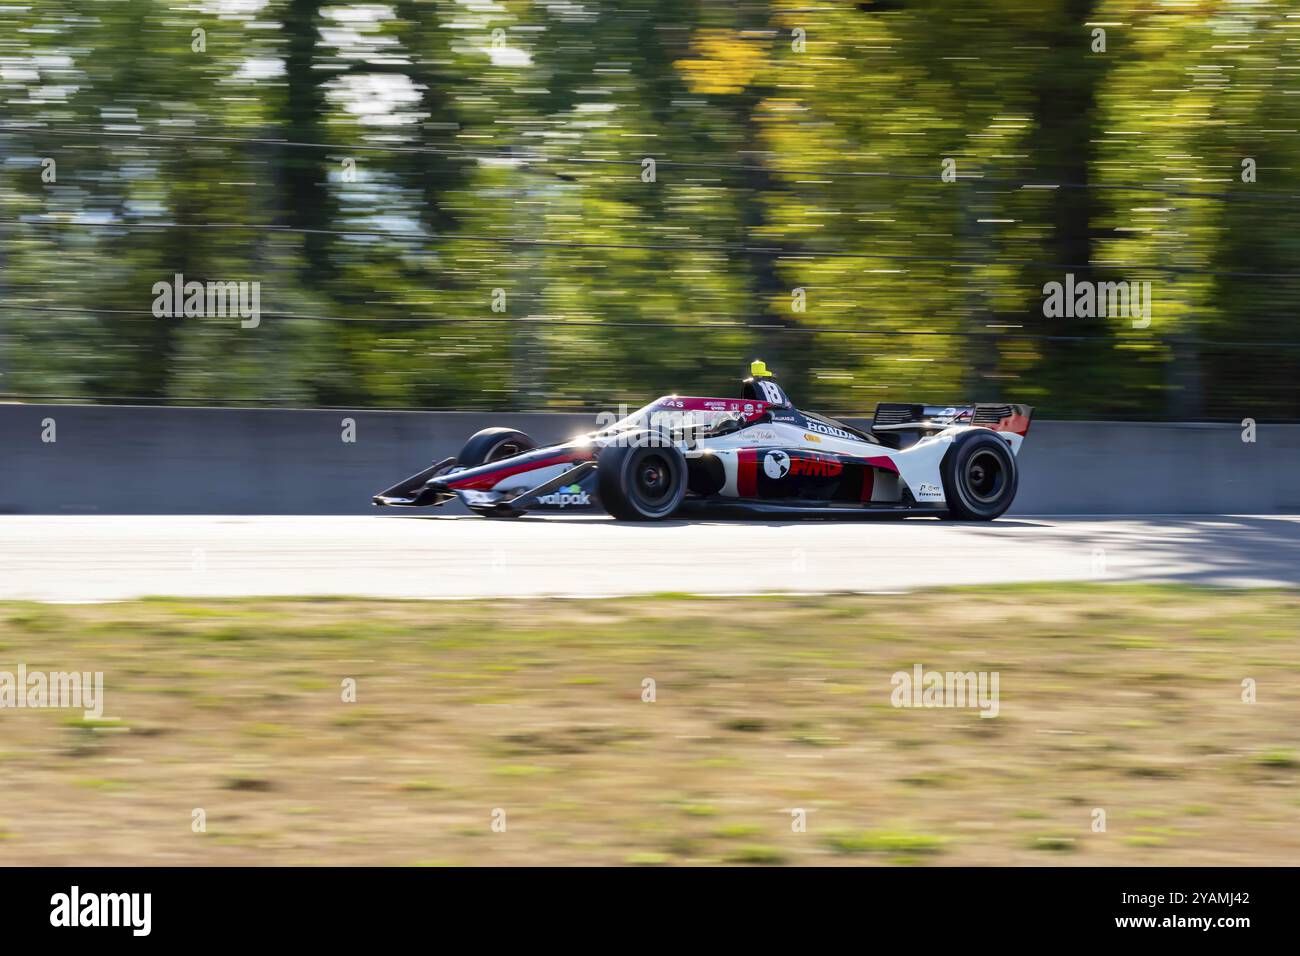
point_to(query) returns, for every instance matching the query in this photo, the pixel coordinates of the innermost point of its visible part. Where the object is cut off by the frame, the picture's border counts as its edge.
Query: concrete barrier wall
(1158, 468)
(144, 460)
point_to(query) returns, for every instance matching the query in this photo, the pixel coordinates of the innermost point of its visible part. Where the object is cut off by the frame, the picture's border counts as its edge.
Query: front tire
(642, 483)
(979, 476)
(493, 444)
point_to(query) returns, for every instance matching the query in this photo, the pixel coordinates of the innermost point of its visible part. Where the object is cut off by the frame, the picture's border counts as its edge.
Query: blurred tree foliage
(449, 204)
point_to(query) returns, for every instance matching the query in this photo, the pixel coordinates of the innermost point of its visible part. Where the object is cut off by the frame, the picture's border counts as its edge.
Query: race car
(756, 454)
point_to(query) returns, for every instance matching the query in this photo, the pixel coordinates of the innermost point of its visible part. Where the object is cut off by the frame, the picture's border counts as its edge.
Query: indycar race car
(756, 454)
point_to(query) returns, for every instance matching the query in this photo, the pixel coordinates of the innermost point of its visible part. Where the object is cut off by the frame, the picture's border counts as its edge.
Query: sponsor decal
(808, 436)
(928, 492)
(818, 467)
(829, 430)
(564, 497)
(951, 414)
(776, 464)
(761, 434)
(749, 408)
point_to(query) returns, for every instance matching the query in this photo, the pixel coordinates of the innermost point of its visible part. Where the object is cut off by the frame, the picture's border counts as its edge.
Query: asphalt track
(413, 555)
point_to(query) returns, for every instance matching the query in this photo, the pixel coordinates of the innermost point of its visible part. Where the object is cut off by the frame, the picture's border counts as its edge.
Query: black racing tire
(979, 476)
(497, 515)
(492, 444)
(641, 482)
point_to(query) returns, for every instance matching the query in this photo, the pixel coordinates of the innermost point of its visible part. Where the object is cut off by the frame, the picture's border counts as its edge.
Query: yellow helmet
(758, 369)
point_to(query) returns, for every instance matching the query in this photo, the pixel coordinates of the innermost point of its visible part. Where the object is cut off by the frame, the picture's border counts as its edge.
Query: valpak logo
(566, 497)
(196, 300)
(103, 909)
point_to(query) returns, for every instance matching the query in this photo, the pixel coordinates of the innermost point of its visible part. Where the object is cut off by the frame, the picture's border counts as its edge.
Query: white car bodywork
(917, 465)
(746, 450)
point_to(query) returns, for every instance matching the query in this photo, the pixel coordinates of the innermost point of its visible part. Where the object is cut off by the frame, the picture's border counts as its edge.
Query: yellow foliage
(723, 61)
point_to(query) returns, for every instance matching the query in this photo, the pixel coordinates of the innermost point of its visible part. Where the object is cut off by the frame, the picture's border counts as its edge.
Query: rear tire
(643, 483)
(979, 476)
(492, 444)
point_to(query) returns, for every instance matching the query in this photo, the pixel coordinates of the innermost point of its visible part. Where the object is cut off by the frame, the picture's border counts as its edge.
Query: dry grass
(1121, 698)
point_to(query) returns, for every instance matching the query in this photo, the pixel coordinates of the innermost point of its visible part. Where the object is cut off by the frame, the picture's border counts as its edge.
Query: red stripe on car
(886, 463)
(747, 473)
(486, 481)
(868, 483)
(1016, 423)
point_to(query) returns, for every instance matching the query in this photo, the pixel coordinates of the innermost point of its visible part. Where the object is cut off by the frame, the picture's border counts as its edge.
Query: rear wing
(932, 418)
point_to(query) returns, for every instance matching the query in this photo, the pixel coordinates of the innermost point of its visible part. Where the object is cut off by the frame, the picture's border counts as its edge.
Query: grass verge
(1123, 700)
